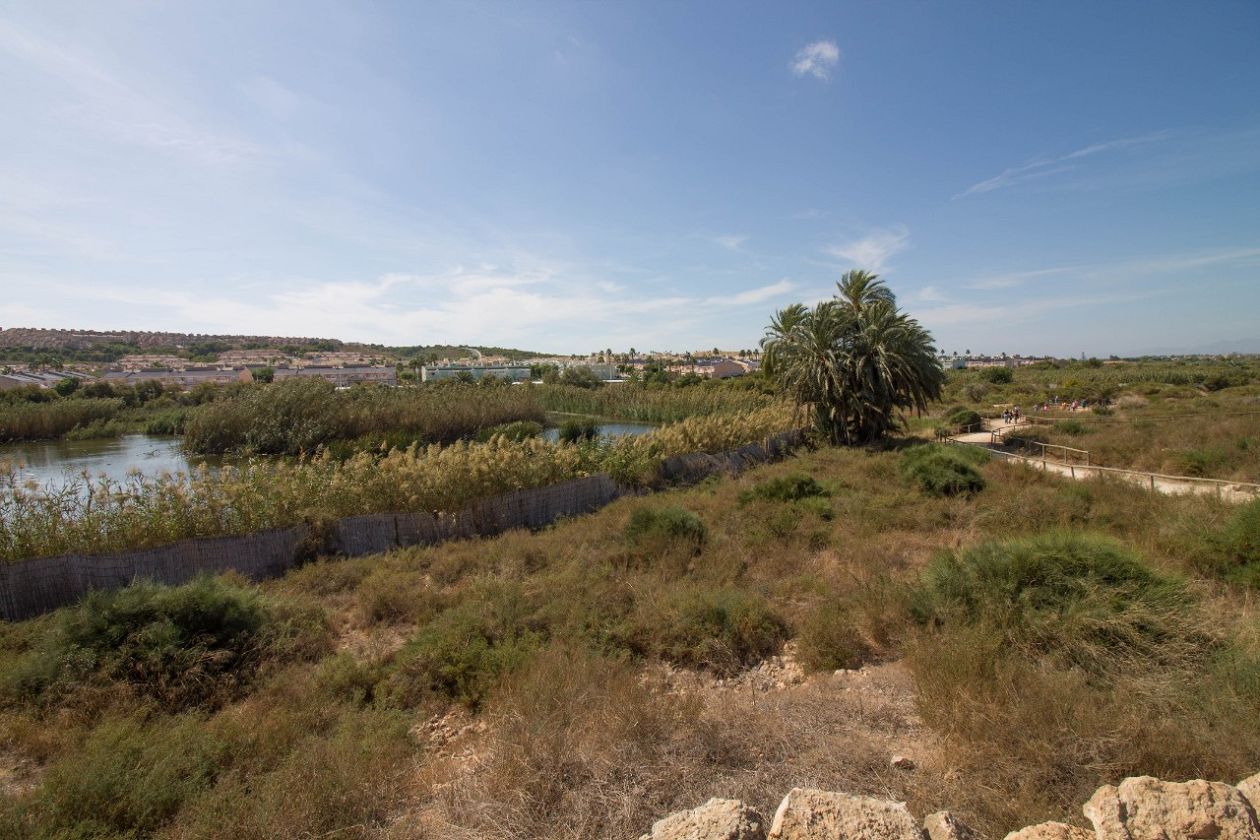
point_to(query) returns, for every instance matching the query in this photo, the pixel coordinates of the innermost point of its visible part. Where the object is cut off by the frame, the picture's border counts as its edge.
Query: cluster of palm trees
(856, 361)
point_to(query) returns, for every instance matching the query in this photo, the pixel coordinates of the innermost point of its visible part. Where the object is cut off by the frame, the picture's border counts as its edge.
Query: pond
(606, 430)
(50, 463)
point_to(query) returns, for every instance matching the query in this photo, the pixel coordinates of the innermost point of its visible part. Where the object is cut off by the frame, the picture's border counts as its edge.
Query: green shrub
(578, 429)
(964, 418)
(463, 653)
(517, 431)
(166, 423)
(183, 646)
(660, 528)
(1199, 462)
(1071, 426)
(998, 375)
(944, 470)
(1234, 553)
(788, 488)
(128, 779)
(1086, 601)
(722, 630)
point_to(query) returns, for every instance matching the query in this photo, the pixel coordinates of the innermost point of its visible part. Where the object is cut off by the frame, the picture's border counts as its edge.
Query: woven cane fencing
(32, 587)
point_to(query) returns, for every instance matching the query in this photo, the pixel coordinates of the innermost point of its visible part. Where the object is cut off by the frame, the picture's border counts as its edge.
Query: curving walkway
(1230, 491)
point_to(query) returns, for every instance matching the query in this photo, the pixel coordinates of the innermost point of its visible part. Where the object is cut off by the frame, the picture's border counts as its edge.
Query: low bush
(1084, 600)
(998, 375)
(1200, 461)
(517, 431)
(830, 638)
(788, 488)
(663, 530)
(723, 630)
(944, 470)
(128, 779)
(1071, 426)
(463, 653)
(1234, 553)
(964, 418)
(191, 645)
(1058, 662)
(578, 429)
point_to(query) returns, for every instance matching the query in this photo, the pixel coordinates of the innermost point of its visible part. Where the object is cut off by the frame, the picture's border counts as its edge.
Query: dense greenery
(301, 415)
(945, 470)
(96, 515)
(856, 361)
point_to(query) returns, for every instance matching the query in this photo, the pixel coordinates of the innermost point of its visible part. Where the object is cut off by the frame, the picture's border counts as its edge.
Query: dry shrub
(579, 748)
(344, 783)
(1060, 662)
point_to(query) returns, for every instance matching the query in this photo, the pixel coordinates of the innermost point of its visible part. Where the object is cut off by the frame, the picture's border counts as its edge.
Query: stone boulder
(1051, 831)
(1144, 808)
(945, 826)
(717, 819)
(808, 814)
(1250, 788)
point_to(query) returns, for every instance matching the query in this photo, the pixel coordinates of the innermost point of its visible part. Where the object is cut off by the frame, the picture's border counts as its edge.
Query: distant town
(45, 357)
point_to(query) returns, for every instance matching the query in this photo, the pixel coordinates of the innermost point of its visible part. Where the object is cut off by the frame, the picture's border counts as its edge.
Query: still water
(52, 463)
(606, 430)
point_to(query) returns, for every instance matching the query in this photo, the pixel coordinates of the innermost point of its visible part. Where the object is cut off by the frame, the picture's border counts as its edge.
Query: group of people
(1075, 405)
(1011, 415)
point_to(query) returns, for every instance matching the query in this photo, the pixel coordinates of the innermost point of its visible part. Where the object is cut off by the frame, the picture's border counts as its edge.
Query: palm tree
(856, 361)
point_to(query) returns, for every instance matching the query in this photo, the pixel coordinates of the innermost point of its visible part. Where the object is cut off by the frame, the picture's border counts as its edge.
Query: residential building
(438, 373)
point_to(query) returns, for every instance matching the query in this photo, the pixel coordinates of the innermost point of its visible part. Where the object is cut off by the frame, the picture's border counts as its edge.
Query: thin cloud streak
(1053, 166)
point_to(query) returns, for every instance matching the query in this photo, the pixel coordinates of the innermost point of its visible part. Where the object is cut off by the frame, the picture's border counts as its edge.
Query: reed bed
(652, 403)
(95, 515)
(53, 419)
(296, 416)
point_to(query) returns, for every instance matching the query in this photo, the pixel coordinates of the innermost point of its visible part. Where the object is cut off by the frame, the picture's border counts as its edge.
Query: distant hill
(44, 346)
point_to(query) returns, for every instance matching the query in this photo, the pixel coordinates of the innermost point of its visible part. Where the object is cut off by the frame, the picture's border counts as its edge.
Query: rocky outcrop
(1139, 808)
(1051, 831)
(808, 814)
(1144, 808)
(717, 819)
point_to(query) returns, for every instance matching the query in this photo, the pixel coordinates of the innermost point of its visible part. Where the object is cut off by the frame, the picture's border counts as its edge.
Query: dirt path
(1237, 492)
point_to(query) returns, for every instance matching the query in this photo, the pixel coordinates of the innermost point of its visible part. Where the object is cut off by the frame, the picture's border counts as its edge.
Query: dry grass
(561, 727)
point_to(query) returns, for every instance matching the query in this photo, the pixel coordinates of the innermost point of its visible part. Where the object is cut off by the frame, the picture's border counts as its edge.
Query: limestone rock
(945, 826)
(1250, 788)
(717, 819)
(1144, 808)
(1050, 831)
(808, 814)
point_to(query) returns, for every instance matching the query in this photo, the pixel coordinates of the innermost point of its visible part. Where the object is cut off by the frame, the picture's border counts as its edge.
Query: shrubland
(1195, 417)
(1055, 635)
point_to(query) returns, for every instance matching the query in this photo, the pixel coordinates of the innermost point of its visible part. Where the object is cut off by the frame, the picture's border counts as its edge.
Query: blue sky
(1029, 177)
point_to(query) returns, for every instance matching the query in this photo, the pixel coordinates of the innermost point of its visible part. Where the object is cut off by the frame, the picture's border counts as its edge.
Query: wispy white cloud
(873, 250)
(105, 102)
(730, 241)
(1045, 167)
(1121, 270)
(758, 295)
(1013, 279)
(816, 59)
